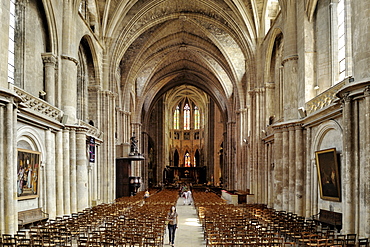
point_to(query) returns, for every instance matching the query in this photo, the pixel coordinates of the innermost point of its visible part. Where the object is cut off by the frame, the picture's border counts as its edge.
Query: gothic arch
(329, 135)
(31, 138)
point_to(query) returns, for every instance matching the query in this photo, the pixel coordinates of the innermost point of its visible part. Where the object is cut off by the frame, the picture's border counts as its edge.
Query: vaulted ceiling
(156, 45)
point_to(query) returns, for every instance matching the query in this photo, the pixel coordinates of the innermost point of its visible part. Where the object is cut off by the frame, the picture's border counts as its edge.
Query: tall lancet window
(176, 118)
(196, 118)
(187, 159)
(186, 117)
(341, 39)
(11, 42)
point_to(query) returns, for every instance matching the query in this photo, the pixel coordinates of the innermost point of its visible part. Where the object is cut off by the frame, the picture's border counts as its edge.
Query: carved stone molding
(39, 106)
(69, 58)
(291, 58)
(90, 130)
(324, 99)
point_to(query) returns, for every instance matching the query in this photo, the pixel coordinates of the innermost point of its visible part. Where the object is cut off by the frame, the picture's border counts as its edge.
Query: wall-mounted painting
(328, 173)
(28, 165)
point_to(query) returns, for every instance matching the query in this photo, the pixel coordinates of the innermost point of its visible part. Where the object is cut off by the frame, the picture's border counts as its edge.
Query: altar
(195, 175)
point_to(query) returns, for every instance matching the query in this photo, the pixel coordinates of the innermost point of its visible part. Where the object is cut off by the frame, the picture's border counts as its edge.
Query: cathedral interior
(266, 97)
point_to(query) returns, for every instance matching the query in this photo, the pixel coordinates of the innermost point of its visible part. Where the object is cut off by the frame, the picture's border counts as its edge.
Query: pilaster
(59, 173)
(73, 170)
(278, 167)
(348, 169)
(50, 176)
(66, 172)
(81, 170)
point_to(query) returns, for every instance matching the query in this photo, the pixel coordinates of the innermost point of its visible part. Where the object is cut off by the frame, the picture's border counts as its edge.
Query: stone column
(367, 162)
(10, 195)
(309, 202)
(69, 63)
(230, 159)
(290, 60)
(49, 78)
(285, 163)
(72, 170)
(292, 169)
(2, 168)
(348, 169)
(144, 172)
(66, 173)
(278, 166)
(50, 176)
(299, 179)
(81, 170)
(59, 173)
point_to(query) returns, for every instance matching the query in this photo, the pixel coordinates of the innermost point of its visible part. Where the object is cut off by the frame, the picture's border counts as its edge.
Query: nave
(210, 221)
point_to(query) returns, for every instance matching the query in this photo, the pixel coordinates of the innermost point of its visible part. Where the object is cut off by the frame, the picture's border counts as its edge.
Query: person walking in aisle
(172, 218)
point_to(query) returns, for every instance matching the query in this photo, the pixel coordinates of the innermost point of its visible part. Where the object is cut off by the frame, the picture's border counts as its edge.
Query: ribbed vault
(157, 45)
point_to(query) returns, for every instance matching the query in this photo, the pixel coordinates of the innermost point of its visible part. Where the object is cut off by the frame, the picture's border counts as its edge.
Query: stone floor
(189, 232)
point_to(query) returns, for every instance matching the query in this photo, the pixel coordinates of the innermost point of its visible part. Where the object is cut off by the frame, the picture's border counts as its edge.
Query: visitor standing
(172, 219)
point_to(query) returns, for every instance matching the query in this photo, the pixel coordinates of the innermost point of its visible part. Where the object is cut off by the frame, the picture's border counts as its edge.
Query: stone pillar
(81, 170)
(292, 169)
(230, 158)
(59, 173)
(10, 195)
(69, 62)
(278, 167)
(286, 168)
(309, 202)
(290, 60)
(50, 176)
(348, 169)
(144, 172)
(49, 77)
(66, 172)
(72, 170)
(2, 168)
(299, 172)
(367, 162)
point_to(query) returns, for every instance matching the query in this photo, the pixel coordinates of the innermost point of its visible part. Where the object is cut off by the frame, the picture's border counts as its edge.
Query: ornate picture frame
(28, 166)
(328, 174)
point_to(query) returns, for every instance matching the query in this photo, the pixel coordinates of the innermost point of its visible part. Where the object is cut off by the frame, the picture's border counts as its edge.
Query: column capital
(49, 58)
(367, 91)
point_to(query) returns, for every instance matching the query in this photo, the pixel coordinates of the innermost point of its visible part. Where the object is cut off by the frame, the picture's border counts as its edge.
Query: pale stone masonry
(264, 76)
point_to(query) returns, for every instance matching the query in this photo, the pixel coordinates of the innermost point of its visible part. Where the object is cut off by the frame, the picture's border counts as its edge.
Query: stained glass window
(186, 117)
(196, 118)
(176, 118)
(187, 160)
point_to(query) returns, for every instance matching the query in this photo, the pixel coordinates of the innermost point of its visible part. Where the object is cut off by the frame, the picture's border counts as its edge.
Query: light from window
(186, 117)
(341, 39)
(187, 160)
(11, 48)
(176, 118)
(196, 118)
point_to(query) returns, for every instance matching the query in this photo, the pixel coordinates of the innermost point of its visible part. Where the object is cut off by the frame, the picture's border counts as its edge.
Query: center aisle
(189, 232)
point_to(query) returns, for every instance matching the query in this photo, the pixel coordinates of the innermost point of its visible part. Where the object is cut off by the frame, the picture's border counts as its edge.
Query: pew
(329, 218)
(31, 216)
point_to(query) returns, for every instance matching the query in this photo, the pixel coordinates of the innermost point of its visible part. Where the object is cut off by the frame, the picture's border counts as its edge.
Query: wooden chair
(363, 242)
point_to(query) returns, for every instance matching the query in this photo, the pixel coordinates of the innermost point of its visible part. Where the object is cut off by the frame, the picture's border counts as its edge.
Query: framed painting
(28, 165)
(328, 174)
